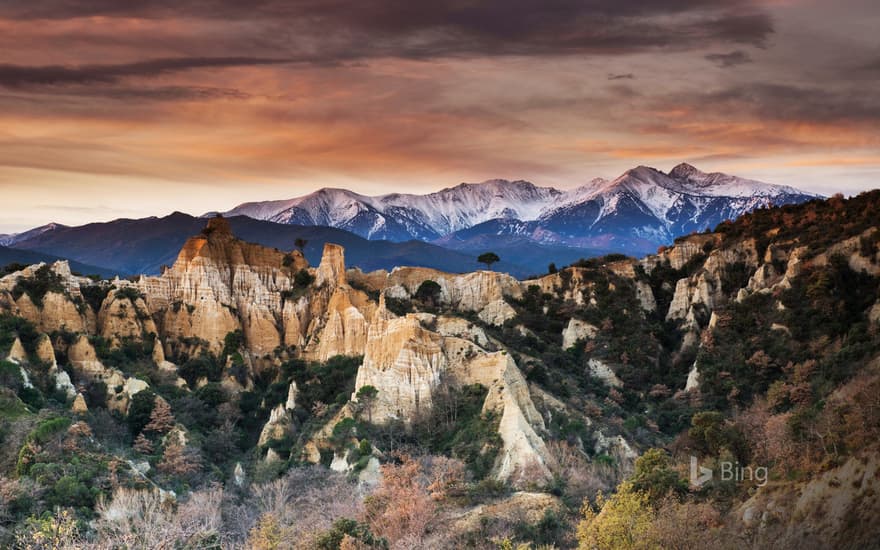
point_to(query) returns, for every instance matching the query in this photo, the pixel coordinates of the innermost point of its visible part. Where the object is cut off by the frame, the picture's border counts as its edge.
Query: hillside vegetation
(302, 407)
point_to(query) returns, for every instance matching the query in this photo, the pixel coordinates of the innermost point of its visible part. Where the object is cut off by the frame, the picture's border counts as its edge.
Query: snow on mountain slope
(13, 238)
(690, 180)
(643, 204)
(402, 216)
(468, 204)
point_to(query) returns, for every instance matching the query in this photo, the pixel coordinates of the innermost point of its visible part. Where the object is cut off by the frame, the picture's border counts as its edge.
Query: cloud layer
(274, 98)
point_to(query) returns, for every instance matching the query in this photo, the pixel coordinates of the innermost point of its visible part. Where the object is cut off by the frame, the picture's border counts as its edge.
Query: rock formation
(79, 405)
(331, 270)
(88, 367)
(220, 284)
(467, 292)
(124, 315)
(524, 453)
(404, 361)
(279, 426)
(17, 354)
(577, 330)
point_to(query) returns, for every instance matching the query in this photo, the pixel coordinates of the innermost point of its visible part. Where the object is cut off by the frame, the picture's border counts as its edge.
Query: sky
(128, 109)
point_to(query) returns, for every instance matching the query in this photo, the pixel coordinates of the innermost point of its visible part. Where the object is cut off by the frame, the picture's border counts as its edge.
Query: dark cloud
(159, 93)
(872, 67)
(339, 30)
(18, 76)
(784, 102)
(625, 76)
(732, 59)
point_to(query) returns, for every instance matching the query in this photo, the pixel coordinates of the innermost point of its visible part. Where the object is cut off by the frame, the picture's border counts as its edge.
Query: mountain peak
(655, 204)
(683, 171)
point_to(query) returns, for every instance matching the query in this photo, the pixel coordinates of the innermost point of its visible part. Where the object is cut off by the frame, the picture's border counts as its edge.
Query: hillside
(331, 407)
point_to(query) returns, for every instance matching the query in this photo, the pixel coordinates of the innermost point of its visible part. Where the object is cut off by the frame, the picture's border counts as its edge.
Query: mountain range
(634, 213)
(133, 246)
(528, 226)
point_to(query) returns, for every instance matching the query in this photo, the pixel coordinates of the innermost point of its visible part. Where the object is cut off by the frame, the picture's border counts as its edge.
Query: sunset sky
(112, 108)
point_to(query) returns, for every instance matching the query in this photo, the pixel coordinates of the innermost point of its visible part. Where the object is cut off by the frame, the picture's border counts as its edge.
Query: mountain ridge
(643, 203)
(143, 246)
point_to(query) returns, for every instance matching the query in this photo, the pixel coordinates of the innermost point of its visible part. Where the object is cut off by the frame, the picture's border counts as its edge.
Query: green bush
(204, 366)
(398, 306)
(330, 382)
(654, 475)
(232, 342)
(94, 295)
(129, 293)
(332, 539)
(303, 278)
(12, 327)
(457, 427)
(139, 410)
(71, 492)
(39, 436)
(43, 281)
(10, 375)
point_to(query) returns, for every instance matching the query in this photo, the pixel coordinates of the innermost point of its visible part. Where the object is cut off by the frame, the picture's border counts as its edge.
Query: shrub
(39, 436)
(129, 293)
(204, 366)
(232, 342)
(398, 306)
(457, 427)
(303, 278)
(95, 295)
(655, 477)
(12, 327)
(43, 281)
(139, 410)
(619, 521)
(330, 382)
(11, 268)
(348, 528)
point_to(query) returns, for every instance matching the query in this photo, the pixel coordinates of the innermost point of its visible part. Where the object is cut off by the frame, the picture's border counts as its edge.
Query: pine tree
(143, 445)
(178, 460)
(161, 419)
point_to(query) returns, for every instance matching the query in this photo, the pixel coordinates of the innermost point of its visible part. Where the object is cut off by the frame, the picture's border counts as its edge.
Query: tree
(367, 396)
(178, 460)
(303, 278)
(428, 293)
(623, 521)
(655, 477)
(143, 445)
(488, 258)
(267, 534)
(300, 244)
(161, 419)
(402, 507)
(49, 532)
(140, 409)
(551, 269)
(348, 533)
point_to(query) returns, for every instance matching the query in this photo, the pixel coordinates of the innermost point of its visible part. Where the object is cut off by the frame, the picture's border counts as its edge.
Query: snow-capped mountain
(401, 217)
(633, 213)
(13, 238)
(645, 204)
